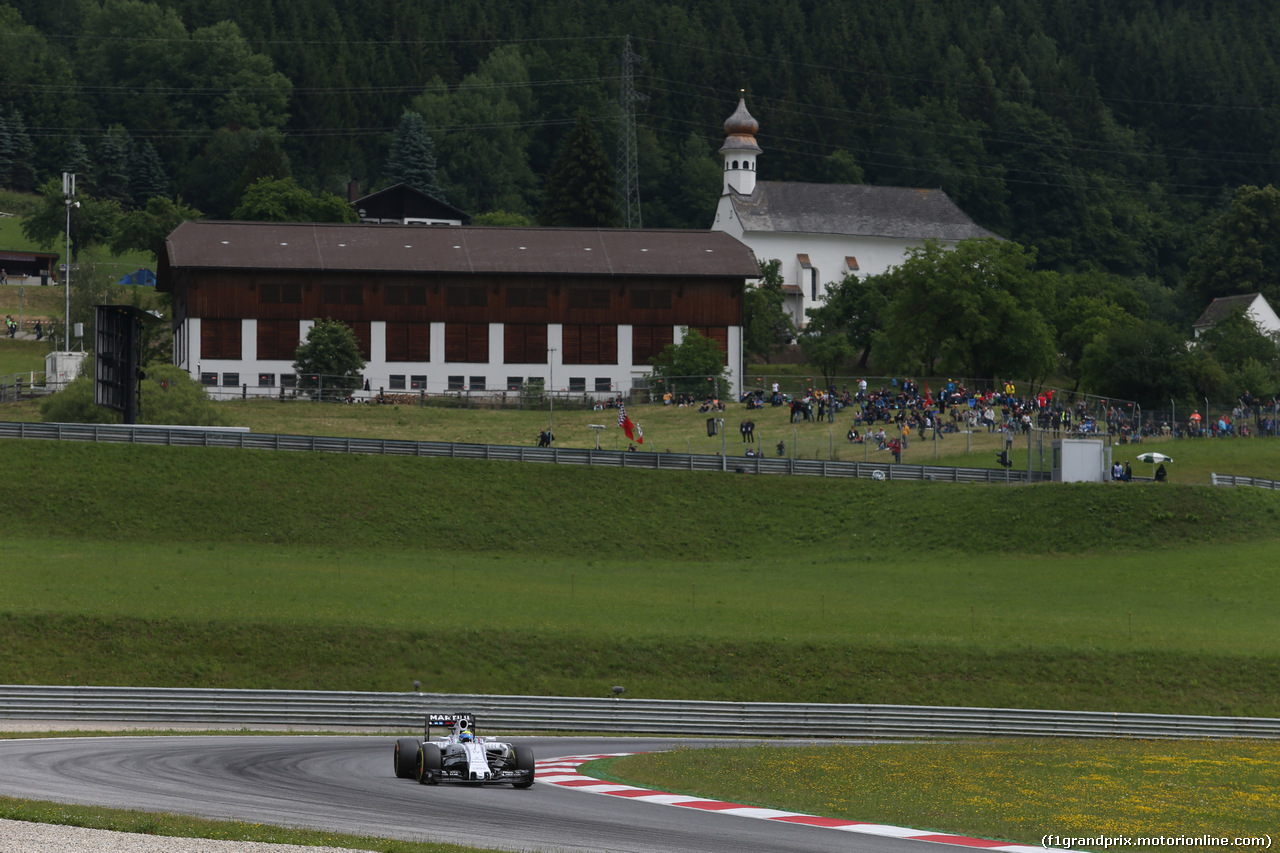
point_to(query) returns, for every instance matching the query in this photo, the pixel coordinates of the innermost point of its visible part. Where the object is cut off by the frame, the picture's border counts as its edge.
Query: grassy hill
(171, 566)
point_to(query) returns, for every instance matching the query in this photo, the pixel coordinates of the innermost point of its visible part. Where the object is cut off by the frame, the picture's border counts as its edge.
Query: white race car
(462, 756)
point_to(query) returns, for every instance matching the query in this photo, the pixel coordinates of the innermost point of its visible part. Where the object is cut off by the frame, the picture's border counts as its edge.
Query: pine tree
(147, 177)
(580, 190)
(412, 159)
(22, 169)
(76, 160)
(111, 178)
(6, 154)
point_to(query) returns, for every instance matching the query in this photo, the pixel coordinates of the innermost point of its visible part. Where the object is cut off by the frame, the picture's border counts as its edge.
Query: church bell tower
(739, 151)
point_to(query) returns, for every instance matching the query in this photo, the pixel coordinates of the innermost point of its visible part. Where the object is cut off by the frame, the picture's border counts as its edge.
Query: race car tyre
(430, 762)
(524, 761)
(406, 757)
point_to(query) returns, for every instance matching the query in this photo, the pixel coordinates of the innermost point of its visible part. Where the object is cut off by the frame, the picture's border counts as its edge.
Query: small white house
(1255, 306)
(820, 232)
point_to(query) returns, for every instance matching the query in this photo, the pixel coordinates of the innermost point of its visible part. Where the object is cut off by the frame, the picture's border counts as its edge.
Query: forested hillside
(1106, 136)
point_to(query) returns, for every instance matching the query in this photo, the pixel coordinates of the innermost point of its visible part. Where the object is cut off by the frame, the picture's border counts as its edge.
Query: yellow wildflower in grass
(1016, 789)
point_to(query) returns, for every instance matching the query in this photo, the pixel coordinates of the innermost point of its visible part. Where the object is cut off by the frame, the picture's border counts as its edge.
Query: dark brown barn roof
(455, 249)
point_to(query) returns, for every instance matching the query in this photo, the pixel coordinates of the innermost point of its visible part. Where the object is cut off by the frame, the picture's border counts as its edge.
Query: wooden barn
(441, 309)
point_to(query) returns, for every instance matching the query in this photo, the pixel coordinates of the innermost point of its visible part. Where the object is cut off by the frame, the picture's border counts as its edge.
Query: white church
(820, 232)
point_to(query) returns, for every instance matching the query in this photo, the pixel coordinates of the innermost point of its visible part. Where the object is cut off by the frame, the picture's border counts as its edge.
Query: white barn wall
(378, 371)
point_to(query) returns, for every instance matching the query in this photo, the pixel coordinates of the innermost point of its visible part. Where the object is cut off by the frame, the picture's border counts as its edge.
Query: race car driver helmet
(466, 736)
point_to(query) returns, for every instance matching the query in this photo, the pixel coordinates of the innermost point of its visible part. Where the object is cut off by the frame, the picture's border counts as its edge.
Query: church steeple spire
(740, 150)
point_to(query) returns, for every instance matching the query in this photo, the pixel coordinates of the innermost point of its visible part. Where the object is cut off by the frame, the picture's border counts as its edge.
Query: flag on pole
(625, 422)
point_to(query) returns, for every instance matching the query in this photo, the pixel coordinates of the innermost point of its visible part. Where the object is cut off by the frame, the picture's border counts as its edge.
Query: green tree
(480, 133)
(412, 159)
(827, 351)
(93, 221)
(156, 75)
(502, 218)
(1085, 306)
(1249, 357)
(854, 309)
(934, 145)
(266, 161)
(684, 368)
(767, 327)
(1149, 362)
(580, 191)
(975, 310)
(147, 177)
(216, 178)
(17, 154)
(699, 178)
(841, 167)
(1236, 339)
(1241, 252)
(328, 362)
(76, 160)
(111, 172)
(22, 168)
(147, 229)
(284, 201)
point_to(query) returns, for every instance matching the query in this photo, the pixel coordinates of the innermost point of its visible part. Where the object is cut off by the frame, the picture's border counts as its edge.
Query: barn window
(219, 338)
(408, 341)
(342, 294)
(526, 297)
(278, 293)
(589, 344)
(589, 297)
(466, 297)
(466, 342)
(278, 339)
(524, 343)
(405, 294)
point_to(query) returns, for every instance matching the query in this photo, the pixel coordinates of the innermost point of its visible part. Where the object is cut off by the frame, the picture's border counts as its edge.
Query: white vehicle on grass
(462, 756)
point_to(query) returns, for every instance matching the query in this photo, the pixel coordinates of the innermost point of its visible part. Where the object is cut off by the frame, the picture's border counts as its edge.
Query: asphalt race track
(346, 784)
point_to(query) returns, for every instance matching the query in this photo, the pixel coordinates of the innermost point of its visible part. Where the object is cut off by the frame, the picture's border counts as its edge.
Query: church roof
(1222, 307)
(855, 210)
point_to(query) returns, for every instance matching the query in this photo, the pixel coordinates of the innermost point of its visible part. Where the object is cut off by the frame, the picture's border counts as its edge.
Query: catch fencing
(407, 711)
(205, 437)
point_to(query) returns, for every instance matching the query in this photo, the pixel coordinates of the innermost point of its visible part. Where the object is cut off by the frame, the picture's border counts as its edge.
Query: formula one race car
(461, 756)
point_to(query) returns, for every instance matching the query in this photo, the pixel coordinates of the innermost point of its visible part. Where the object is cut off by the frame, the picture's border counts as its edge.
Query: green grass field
(326, 571)
(682, 430)
(173, 567)
(1009, 789)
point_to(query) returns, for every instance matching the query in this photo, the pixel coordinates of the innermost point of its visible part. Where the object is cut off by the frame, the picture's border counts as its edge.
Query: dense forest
(1107, 137)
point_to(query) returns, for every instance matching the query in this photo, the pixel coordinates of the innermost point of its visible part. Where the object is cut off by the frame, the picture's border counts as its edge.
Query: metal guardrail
(198, 437)
(1233, 480)
(250, 708)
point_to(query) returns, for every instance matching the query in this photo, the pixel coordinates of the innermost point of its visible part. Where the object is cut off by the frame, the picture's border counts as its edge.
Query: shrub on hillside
(168, 396)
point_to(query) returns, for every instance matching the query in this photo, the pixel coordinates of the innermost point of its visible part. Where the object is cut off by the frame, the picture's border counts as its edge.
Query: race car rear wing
(448, 721)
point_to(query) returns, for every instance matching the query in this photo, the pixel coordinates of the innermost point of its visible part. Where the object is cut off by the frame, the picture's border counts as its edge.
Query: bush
(168, 396)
